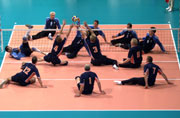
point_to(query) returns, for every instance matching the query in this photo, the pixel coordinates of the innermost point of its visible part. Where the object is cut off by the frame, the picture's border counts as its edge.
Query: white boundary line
(6, 52)
(175, 47)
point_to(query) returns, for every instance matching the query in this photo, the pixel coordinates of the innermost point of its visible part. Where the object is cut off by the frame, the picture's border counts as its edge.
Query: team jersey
(99, 32)
(77, 39)
(93, 48)
(128, 34)
(135, 54)
(88, 78)
(152, 71)
(150, 41)
(28, 71)
(52, 23)
(58, 47)
(17, 54)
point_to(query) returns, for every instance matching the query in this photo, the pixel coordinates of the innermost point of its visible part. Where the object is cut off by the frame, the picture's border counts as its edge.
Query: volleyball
(74, 18)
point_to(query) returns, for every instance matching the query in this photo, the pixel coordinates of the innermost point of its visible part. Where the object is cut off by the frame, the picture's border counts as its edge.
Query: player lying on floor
(92, 45)
(124, 42)
(24, 50)
(85, 82)
(150, 73)
(72, 50)
(134, 59)
(148, 43)
(25, 77)
(53, 56)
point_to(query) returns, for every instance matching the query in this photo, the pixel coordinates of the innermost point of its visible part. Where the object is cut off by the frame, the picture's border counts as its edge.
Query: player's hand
(146, 87)
(43, 86)
(85, 24)
(113, 36)
(64, 22)
(71, 26)
(102, 92)
(77, 95)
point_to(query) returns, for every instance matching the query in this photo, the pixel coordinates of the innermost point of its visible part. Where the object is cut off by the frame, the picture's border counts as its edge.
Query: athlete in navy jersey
(149, 42)
(134, 59)
(57, 48)
(24, 50)
(85, 82)
(51, 23)
(124, 42)
(92, 45)
(25, 77)
(149, 79)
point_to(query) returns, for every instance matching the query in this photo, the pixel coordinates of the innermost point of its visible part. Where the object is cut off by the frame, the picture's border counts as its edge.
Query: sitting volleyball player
(134, 59)
(124, 42)
(150, 73)
(25, 77)
(57, 48)
(148, 43)
(24, 50)
(72, 50)
(85, 82)
(92, 45)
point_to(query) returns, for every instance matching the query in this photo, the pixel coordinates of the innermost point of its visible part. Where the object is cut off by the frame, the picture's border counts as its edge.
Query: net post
(178, 40)
(1, 36)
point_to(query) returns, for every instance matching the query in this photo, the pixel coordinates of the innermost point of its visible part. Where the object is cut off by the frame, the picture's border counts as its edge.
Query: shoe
(115, 67)
(29, 26)
(168, 8)
(50, 37)
(118, 82)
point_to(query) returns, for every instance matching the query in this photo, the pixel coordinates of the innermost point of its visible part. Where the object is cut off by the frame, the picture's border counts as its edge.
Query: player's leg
(132, 81)
(171, 5)
(40, 35)
(5, 81)
(116, 41)
(107, 61)
(46, 58)
(96, 62)
(55, 60)
(32, 80)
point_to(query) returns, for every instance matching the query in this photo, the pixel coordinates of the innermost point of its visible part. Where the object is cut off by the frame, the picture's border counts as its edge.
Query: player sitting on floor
(85, 82)
(93, 47)
(51, 23)
(57, 48)
(149, 79)
(134, 59)
(72, 50)
(24, 50)
(25, 77)
(124, 42)
(149, 42)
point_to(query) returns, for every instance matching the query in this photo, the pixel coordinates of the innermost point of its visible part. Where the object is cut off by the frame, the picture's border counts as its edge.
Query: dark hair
(34, 60)
(130, 25)
(87, 67)
(149, 59)
(153, 29)
(6, 48)
(58, 38)
(96, 21)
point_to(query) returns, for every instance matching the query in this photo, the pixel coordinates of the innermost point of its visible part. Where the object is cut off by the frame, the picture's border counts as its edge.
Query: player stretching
(93, 47)
(149, 42)
(149, 79)
(124, 42)
(25, 77)
(24, 50)
(85, 82)
(57, 48)
(134, 59)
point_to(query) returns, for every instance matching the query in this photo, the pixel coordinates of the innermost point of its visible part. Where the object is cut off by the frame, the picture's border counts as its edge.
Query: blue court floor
(34, 12)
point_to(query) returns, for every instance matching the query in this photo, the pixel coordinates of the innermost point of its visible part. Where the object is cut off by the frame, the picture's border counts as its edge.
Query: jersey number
(138, 54)
(26, 70)
(90, 81)
(56, 48)
(95, 49)
(154, 70)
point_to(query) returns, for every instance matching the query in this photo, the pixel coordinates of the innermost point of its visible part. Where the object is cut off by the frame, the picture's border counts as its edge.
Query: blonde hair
(52, 12)
(134, 41)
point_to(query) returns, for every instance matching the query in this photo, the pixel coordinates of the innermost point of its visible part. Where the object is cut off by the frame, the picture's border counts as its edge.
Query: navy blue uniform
(87, 78)
(135, 56)
(75, 46)
(50, 24)
(24, 77)
(53, 56)
(150, 69)
(97, 59)
(149, 43)
(98, 32)
(126, 39)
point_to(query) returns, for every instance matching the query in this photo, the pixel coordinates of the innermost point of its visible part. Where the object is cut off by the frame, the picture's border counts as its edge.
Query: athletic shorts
(53, 58)
(19, 79)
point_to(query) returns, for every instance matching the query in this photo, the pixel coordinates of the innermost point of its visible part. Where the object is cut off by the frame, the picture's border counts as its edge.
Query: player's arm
(121, 33)
(69, 31)
(58, 24)
(146, 74)
(159, 43)
(80, 91)
(99, 86)
(164, 76)
(40, 82)
(86, 25)
(61, 30)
